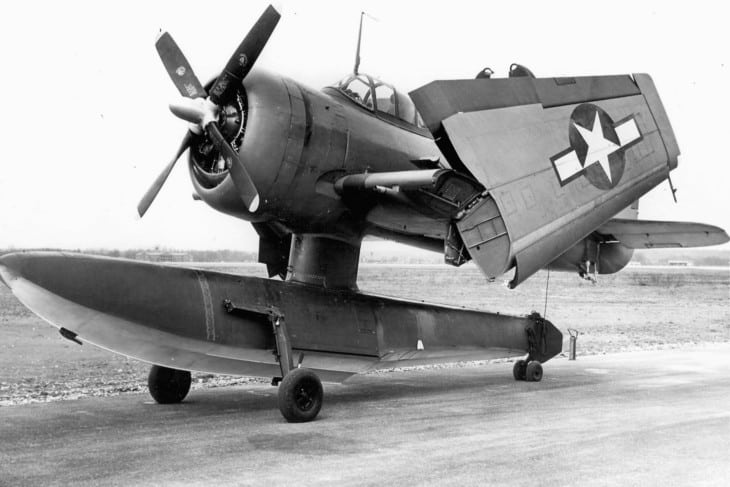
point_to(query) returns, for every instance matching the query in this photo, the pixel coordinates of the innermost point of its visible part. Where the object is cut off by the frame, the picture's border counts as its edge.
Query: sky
(86, 128)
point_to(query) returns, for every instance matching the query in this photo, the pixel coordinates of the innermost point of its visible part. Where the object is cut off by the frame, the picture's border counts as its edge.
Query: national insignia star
(599, 147)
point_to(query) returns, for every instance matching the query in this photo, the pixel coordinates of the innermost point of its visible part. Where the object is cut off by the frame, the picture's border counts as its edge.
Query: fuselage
(296, 142)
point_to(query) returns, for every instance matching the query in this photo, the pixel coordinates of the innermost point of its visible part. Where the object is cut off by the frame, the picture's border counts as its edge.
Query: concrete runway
(646, 418)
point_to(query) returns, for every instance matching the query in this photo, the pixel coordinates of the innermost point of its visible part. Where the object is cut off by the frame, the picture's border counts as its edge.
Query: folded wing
(558, 158)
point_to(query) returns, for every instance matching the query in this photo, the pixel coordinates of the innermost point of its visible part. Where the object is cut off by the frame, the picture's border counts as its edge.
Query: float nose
(5, 269)
(14, 266)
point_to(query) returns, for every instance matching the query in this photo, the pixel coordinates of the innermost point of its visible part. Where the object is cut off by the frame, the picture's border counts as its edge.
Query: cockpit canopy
(380, 97)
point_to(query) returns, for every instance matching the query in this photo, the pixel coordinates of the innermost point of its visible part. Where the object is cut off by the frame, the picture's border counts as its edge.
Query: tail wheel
(300, 396)
(168, 386)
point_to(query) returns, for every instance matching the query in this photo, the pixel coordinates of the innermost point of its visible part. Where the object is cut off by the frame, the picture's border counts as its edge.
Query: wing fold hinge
(484, 234)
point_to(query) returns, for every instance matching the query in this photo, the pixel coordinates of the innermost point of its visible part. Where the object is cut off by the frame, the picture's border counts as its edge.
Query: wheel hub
(303, 397)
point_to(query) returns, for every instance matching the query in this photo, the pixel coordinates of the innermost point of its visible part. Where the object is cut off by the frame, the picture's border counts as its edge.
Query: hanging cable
(547, 286)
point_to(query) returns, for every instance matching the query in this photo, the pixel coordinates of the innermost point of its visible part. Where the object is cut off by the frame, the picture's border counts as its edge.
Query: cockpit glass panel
(372, 93)
(385, 99)
(419, 121)
(358, 89)
(406, 109)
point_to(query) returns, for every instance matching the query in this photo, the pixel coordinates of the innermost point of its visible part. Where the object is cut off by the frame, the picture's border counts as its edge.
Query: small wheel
(168, 386)
(519, 370)
(533, 372)
(300, 396)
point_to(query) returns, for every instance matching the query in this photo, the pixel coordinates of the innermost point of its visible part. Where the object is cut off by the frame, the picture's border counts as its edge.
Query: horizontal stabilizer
(649, 234)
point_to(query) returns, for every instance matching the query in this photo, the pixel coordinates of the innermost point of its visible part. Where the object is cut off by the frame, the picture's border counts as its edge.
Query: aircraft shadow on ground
(367, 389)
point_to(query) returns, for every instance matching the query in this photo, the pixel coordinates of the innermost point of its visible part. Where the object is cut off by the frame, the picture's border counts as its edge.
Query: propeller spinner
(203, 113)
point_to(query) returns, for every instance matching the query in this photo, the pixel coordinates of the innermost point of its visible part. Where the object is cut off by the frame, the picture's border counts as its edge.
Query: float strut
(283, 345)
(283, 352)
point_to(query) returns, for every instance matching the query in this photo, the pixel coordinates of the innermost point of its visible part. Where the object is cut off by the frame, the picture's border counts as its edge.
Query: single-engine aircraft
(520, 173)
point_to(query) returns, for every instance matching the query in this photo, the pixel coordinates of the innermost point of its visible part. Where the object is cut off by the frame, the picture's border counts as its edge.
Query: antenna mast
(359, 38)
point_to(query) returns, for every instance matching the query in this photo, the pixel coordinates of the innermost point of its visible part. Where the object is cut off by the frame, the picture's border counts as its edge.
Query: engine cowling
(258, 124)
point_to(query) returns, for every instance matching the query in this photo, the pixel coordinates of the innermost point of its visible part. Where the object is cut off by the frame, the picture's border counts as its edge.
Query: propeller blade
(151, 193)
(178, 68)
(239, 174)
(245, 56)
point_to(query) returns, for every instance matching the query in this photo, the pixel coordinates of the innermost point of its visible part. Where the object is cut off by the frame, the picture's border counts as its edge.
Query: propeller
(178, 67)
(151, 193)
(245, 56)
(202, 113)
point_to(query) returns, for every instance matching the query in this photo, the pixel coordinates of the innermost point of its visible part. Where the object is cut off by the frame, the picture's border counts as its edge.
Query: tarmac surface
(642, 418)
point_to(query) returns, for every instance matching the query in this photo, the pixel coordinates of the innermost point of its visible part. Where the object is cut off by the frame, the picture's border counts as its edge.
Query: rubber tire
(534, 371)
(168, 386)
(300, 396)
(519, 371)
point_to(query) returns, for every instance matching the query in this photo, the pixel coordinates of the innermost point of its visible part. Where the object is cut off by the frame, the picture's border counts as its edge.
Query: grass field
(638, 308)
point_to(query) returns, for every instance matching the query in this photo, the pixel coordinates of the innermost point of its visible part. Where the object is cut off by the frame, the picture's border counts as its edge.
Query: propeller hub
(198, 111)
(231, 120)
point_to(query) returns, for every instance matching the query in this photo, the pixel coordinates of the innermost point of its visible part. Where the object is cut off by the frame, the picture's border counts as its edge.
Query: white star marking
(599, 147)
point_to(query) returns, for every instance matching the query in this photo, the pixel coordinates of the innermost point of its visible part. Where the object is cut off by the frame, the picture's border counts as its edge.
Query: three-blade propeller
(202, 112)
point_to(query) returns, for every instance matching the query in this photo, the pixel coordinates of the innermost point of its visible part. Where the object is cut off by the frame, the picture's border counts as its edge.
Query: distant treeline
(384, 258)
(224, 255)
(695, 257)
